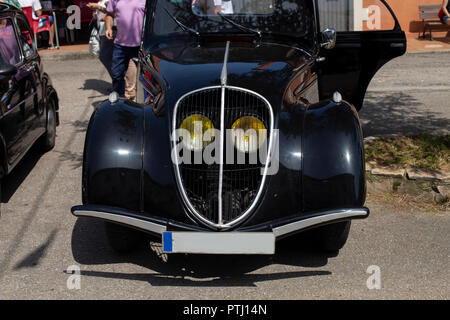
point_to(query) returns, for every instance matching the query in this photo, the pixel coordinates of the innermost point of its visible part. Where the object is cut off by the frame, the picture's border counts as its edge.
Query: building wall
(407, 12)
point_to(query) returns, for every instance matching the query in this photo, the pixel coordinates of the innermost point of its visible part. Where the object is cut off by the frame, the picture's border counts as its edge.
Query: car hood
(265, 68)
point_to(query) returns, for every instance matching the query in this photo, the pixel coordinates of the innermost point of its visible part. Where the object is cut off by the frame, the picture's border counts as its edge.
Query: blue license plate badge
(167, 242)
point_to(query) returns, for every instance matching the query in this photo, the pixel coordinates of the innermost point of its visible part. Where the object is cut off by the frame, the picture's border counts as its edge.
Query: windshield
(293, 19)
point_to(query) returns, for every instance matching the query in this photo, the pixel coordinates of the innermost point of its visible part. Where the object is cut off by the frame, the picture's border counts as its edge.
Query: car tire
(49, 138)
(332, 237)
(122, 239)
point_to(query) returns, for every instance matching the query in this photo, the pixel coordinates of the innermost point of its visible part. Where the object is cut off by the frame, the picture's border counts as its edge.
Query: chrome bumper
(280, 228)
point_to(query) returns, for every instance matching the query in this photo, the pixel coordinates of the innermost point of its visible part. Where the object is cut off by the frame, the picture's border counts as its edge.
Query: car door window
(9, 49)
(368, 36)
(355, 15)
(25, 39)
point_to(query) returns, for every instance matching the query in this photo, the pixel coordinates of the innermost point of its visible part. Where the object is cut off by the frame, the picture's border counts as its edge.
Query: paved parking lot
(40, 239)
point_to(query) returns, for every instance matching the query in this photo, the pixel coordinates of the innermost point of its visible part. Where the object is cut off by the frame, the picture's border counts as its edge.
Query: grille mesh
(241, 180)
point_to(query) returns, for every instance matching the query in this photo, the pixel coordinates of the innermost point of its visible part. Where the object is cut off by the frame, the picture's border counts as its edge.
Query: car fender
(112, 162)
(50, 92)
(333, 163)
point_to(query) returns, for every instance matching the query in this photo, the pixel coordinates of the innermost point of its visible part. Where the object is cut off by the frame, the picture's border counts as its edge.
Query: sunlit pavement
(40, 239)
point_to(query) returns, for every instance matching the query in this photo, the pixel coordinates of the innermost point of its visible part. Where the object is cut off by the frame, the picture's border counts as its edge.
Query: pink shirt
(129, 20)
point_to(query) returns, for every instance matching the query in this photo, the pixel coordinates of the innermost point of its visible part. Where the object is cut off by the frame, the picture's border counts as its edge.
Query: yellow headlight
(197, 125)
(249, 133)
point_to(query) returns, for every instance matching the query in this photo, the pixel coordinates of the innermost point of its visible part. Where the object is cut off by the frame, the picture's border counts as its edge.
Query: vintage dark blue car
(246, 126)
(28, 102)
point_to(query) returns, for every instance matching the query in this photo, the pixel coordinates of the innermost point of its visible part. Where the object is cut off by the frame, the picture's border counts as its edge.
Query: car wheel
(122, 239)
(49, 138)
(332, 237)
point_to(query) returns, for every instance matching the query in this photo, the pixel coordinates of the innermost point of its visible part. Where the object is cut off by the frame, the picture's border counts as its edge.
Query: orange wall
(407, 12)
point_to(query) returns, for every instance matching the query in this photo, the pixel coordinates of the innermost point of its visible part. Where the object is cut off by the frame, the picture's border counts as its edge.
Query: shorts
(43, 21)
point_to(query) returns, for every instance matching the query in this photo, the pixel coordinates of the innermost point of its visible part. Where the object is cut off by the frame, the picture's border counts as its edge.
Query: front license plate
(219, 242)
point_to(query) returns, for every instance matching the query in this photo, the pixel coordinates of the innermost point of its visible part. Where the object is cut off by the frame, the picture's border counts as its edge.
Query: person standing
(37, 13)
(210, 7)
(223, 7)
(106, 45)
(129, 17)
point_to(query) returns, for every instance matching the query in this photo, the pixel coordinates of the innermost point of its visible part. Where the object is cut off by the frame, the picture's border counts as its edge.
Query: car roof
(4, 7)
(7, 10)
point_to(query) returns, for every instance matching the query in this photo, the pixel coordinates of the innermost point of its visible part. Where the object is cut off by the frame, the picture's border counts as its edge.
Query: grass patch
(422, 151)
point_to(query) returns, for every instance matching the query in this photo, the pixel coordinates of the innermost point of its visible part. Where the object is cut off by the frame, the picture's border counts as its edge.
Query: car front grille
(238, 184)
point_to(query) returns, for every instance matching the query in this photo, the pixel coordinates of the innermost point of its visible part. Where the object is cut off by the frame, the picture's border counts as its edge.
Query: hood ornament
(223, 76)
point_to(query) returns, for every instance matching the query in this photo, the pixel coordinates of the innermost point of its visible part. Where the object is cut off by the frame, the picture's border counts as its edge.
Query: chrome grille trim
(222, 125)
(223, 82)
(179, 179)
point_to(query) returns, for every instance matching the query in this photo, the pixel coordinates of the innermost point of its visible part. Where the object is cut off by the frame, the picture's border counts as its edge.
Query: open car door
(368, 36)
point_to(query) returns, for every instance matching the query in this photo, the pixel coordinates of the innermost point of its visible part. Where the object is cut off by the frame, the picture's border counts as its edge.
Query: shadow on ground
(12, 182)
(101, 86)
(90, 247)
(33, 258)
(398, 113)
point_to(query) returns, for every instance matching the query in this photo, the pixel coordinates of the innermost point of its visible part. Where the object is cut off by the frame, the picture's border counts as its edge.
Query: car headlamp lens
(249, 133)
(196, 126)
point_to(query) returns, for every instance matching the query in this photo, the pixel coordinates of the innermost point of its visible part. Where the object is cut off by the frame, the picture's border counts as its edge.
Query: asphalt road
(408, 95)
(40, 239)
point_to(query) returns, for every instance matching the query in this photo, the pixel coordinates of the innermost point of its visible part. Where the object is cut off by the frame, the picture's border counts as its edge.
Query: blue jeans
(446, 20)
(121, 58)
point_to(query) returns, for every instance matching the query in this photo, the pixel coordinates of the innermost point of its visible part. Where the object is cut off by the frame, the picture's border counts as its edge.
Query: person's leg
(130, 92)
(130, 81)
(119, 67)
(106, 53)
(52, 35)
(52, 30)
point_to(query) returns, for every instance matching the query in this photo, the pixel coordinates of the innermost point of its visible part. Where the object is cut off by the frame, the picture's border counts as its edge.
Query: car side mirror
(328, 39)
(7, 69)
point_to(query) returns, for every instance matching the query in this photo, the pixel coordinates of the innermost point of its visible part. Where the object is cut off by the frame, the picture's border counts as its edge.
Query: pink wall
(407, 12)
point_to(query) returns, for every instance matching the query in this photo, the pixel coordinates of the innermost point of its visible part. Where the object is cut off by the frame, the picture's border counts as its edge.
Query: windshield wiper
(260, 33)
(182, 26)
(243, 28)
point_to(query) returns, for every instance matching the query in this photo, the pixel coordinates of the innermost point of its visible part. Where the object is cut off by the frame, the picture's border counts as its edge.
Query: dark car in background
(245, 130)
(28, 102)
